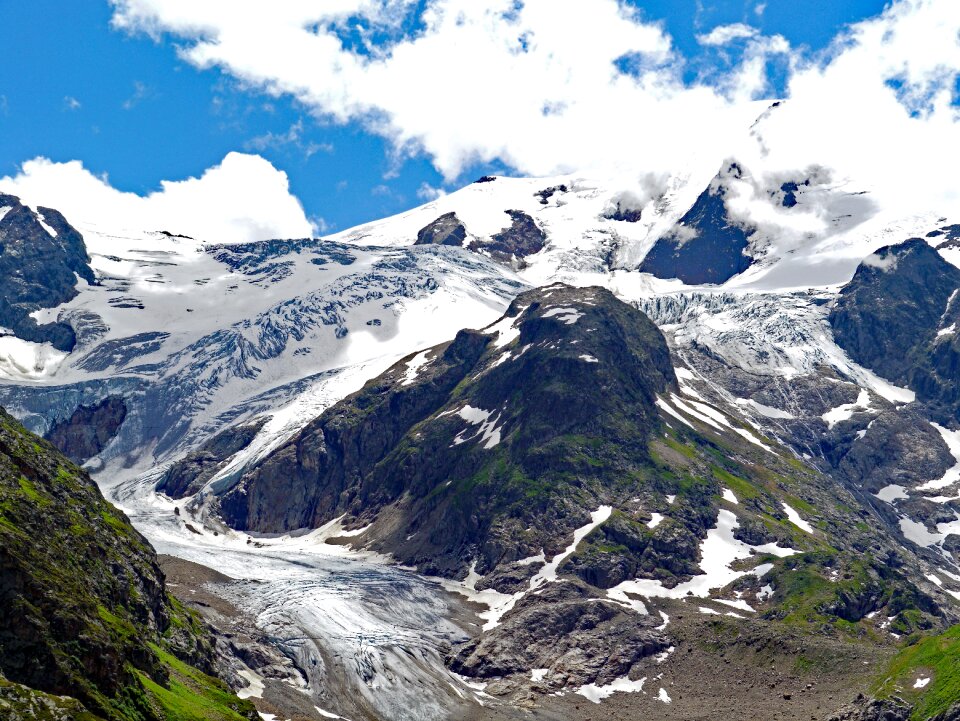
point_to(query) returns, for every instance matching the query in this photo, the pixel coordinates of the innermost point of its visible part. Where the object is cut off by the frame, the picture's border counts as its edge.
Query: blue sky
(129, 108)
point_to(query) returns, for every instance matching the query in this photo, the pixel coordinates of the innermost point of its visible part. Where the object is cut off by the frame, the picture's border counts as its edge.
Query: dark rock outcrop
(188, 475)
(445, 230)
(580, 639)
(707, 246)
(871, 709)
(483, 441)
(85, 612)
(88, 431)
(39, 266)
(899, 317)
(524, 237)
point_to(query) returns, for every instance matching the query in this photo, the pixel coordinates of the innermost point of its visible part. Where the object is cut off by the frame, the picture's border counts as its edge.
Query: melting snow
(664, 696)
(947, 331)
(499, 603)
(663, 405)
(671, 499)
(255, 688)
(718, 551)
(846, 411)
(566, 315)
(655, 520)
(588, 358)
(766, 411)
(729, 496)
(326, 714)
(795, 519)
(505, 329)
(413, 367)
(538, 674)
(952, 439)
(891, 493)
(765, 593)
(488, 431)
(46, 226)
(921, 682)
(621, 685)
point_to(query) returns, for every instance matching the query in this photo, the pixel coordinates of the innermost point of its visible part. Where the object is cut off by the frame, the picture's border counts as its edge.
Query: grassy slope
(86, 612)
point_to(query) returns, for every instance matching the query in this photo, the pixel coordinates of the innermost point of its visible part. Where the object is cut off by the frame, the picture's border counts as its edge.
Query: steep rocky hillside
(87, 630)
(561, 444)
(899, 315)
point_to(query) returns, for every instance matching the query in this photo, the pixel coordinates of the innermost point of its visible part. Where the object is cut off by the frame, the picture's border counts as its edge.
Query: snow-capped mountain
(233, 378)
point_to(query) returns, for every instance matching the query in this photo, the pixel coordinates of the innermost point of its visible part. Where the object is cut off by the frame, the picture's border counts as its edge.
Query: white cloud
(427, 192)
(293, 137)
(71, 103)
(724, 34)
(243, 199)
(509, 82)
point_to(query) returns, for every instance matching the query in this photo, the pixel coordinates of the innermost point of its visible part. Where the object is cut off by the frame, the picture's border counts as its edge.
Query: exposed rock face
(445, 230)
(88, 431)
(707, 246)
(624, 213)
(598, 641)
(524, 237)
(85, 610)
(864, 709)
(481, 440)
(191, 473)
(41, 256)
(899, 317)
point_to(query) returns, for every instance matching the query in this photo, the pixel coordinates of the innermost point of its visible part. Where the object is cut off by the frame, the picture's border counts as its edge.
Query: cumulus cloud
(724, 34)
(507, 81)
(243, 199)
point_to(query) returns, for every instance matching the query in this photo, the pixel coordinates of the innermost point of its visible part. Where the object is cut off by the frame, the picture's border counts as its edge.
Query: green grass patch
(192, 695)
(935, 657)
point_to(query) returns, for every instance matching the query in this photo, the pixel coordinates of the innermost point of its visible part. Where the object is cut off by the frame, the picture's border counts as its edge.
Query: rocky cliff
(41, 257)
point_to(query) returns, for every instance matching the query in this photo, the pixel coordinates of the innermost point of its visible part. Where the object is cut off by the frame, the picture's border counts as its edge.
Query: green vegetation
(936, 658)
(89, 586)
(191, 695)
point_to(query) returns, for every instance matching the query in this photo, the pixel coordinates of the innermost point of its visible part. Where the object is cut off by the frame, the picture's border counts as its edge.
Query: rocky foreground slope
(88, 632)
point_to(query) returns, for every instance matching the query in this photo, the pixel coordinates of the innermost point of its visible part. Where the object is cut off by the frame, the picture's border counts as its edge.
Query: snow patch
(565, 315)
(891, 493)
(718, 552)
(413, 367)
(845, 412)
(664, 406)
(655, 520)
(43, 222)
(921, 682)
(255, 687)
(795, 518)
(765, 411)
(729, 496)
(489, 433)
(498, 603)
(952, 439)
(588, 358)
(597, 694)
